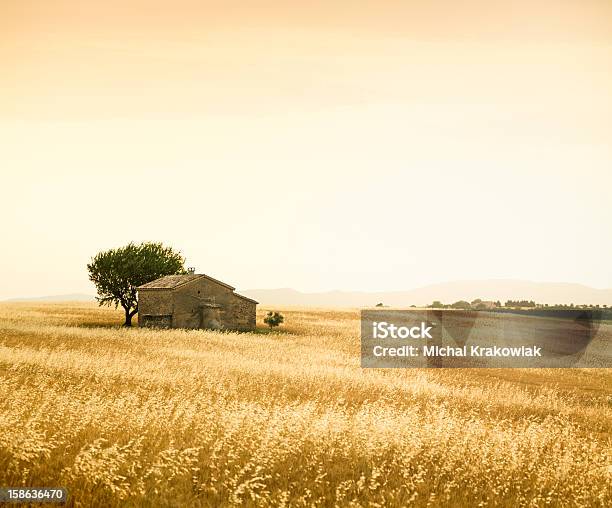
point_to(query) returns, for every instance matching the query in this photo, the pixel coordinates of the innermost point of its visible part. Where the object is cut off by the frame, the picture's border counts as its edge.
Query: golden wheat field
(135, 417)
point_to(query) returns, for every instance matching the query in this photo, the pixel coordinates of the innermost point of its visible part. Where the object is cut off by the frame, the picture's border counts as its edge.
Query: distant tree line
(480, 304)
(522, 306)
(520, 303)
(477, 304)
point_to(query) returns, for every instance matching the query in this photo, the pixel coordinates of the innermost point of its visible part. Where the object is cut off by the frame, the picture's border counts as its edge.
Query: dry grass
(175, 418)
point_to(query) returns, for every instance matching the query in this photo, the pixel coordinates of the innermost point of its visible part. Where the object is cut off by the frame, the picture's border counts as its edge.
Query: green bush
(273, 319)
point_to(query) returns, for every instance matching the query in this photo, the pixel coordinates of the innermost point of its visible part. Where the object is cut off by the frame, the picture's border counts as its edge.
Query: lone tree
(273, 319)
(118, 272)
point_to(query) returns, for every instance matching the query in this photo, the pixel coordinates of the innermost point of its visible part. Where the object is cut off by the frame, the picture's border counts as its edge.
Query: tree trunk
(129, 313)
(128, 318)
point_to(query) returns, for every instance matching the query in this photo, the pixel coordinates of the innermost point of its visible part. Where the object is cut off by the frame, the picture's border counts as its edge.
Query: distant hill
(447, 292)
(74, 297)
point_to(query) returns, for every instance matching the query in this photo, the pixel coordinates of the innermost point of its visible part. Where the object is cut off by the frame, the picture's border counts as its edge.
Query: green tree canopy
(461, 304)
(117, 273)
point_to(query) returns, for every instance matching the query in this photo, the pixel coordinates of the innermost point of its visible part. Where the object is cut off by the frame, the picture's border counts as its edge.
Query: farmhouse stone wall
(162, 321)
(153, 305)
(242, 313)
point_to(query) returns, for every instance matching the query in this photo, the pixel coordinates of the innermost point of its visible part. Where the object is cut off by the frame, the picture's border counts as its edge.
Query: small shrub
(273, 319)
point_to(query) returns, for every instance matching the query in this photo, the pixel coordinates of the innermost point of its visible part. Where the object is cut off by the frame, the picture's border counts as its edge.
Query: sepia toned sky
(371, 145)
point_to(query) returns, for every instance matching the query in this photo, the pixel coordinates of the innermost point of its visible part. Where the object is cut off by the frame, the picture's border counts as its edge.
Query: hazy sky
(318, 145)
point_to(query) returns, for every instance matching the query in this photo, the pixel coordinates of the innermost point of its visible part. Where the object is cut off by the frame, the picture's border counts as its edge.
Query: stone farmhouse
(194, 301)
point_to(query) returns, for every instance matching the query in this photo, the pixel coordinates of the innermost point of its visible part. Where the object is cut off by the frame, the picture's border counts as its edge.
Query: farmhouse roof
(246, 298)
(174, 281)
